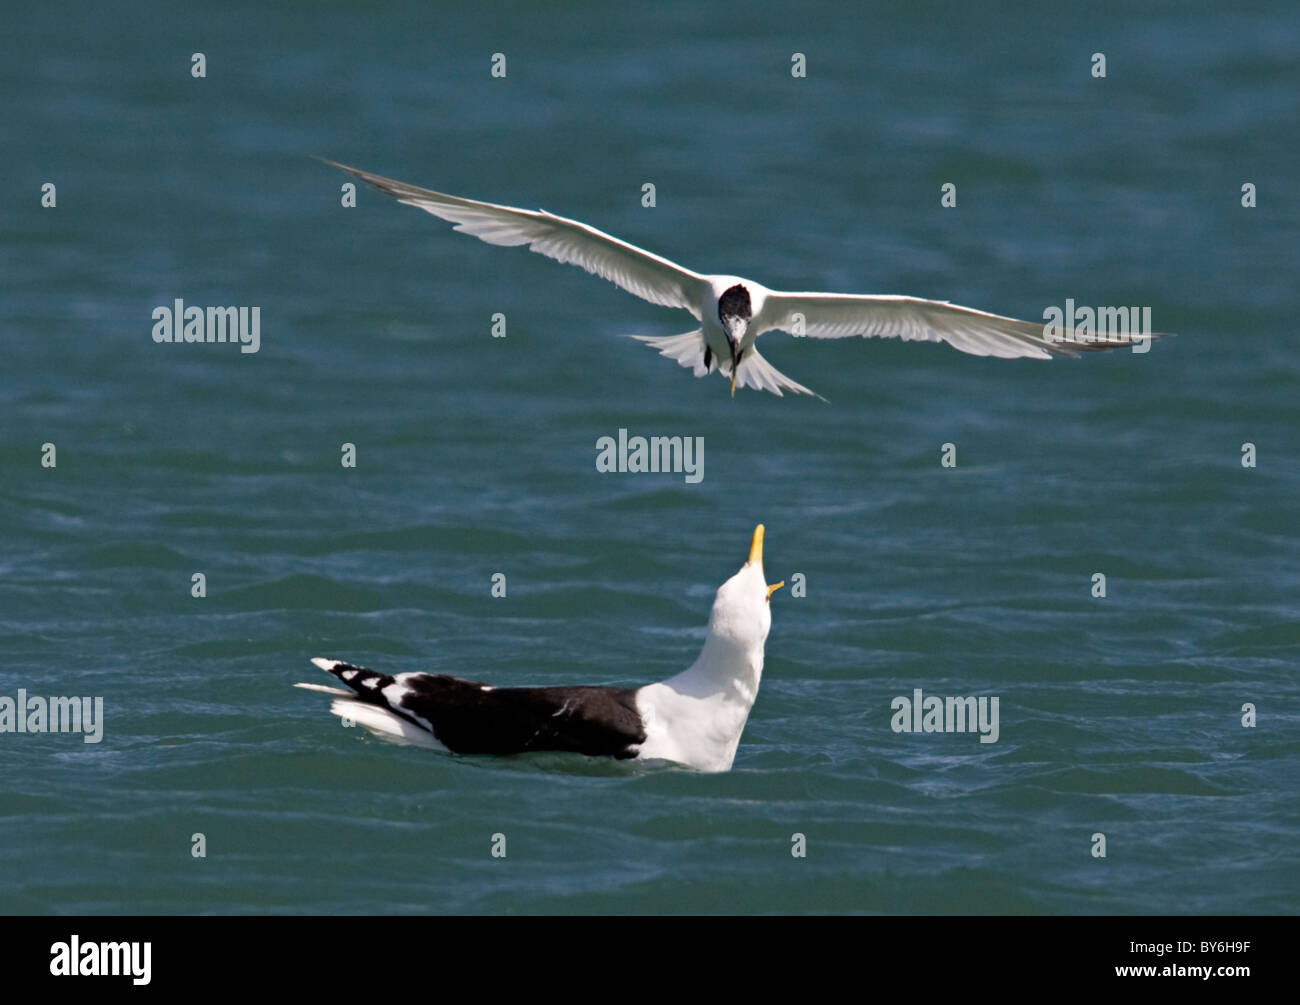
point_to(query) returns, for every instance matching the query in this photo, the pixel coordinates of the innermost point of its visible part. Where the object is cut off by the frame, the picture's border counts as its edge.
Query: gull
(733, 312)
(693, 719)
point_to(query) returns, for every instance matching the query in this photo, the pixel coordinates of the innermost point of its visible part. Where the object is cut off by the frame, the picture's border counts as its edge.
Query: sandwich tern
(733, 312)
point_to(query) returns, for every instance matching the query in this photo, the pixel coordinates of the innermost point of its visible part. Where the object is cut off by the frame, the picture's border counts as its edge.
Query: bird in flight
(733, 312)
(694, 718)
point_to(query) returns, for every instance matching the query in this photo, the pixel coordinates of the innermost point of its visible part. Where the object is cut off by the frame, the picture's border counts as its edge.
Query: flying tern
(733, 312)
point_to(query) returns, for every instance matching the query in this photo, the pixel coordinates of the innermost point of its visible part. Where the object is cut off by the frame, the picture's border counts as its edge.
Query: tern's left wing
(634, 269)
(838, 315)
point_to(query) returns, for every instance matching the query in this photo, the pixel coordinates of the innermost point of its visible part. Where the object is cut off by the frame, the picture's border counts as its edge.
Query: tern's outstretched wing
(836, 315)
(648, 276)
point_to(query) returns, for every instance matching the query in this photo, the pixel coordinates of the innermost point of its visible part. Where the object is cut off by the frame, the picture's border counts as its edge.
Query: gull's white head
(742, 615)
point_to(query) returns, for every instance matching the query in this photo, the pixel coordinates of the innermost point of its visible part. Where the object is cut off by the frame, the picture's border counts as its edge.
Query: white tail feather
(756, 372)
(325, 689)
(384, 724)
(687, 349)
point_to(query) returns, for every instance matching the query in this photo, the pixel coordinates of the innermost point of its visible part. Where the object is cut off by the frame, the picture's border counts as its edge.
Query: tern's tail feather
(756, 372)
(686, 349)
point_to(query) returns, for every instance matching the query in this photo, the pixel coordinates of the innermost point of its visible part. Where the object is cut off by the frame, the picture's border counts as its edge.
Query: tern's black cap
(735, 303)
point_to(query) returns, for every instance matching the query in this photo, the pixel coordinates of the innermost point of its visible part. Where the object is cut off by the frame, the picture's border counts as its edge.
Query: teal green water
(1119, 716)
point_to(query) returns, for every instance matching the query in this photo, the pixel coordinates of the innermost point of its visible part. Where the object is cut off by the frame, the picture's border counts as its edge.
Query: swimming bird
(693, 719)
(733, 311)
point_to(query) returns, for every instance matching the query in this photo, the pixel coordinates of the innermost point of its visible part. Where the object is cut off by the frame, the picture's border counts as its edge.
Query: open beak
(756, 558)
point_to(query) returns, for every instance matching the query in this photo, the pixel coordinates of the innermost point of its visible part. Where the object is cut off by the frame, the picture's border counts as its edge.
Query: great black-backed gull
(693, 719)
(733, 311)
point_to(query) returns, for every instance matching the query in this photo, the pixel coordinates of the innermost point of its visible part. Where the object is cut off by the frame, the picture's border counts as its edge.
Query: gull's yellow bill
(756, 558)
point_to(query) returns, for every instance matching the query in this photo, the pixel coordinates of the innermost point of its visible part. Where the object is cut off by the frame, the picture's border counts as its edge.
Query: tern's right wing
(841, 315)
(648, 276)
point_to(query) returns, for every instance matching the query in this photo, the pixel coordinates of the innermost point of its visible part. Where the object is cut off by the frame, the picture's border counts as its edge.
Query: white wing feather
(638, 271)
(835, 315)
